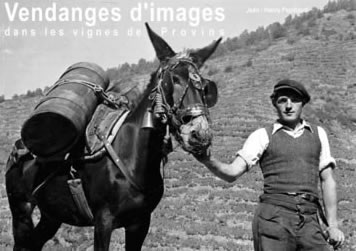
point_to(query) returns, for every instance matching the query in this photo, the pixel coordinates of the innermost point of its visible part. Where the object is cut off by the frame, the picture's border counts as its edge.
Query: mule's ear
(201, 55)
(163, 50)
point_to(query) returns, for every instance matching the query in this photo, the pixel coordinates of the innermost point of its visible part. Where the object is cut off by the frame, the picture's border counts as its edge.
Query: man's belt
(313, 199)
(298, 202)
(306, 196)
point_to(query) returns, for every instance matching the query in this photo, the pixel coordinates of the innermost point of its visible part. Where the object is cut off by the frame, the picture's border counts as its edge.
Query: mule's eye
(186, 119)
(175, 80)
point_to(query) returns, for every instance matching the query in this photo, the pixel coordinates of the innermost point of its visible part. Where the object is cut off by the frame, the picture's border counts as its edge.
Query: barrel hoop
(59, 97)
(97, 89)
(71, 68)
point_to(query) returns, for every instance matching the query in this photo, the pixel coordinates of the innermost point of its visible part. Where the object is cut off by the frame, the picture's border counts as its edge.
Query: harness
(162, 109)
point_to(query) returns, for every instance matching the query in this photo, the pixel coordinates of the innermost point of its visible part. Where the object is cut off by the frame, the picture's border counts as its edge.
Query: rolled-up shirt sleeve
(254, 147)
(326, 159)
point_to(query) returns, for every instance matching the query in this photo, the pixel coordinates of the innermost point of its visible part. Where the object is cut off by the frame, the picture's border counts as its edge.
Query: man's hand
(203, 155)
(336, 237)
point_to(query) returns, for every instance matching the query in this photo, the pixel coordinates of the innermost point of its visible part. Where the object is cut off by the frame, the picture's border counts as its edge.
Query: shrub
(36, 93)
(305, 31)
(228, 69)
(212, 71)
(350, 16)
(263, 45)
(289, 57)
(291, 40)
(248, 63)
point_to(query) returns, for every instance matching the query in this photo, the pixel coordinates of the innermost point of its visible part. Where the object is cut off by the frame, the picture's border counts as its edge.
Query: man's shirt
(258, 141)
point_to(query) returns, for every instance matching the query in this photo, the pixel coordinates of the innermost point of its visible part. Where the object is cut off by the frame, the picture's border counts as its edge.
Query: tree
(29, 94)
(125, 68)
(276, 30)
(288, 21)
(38, 92)
(261, 34)
(142, 65)
(46, 89)
(112, 73)
(244, 38)
(334, 6)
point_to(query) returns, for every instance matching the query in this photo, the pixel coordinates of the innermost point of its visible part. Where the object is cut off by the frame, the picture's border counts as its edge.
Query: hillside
(198, 211)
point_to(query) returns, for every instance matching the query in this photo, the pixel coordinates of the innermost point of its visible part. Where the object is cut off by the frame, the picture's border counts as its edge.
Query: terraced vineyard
(198, 211)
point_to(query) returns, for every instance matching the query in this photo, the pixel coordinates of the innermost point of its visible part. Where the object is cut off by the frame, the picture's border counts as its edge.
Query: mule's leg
(22, 224)
(102, 230)
(21, 207)
(135, 234)
(45, 230)
(26, 236)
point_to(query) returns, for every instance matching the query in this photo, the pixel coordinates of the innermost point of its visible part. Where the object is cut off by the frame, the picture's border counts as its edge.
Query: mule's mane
(140, 91)
(145, 92)
(136, 92)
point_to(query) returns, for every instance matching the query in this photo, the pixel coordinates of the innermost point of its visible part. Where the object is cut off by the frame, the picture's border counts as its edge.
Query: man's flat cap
(288, 84)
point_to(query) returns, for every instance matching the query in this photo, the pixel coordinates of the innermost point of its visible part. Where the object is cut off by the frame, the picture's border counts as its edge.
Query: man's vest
(291, 165)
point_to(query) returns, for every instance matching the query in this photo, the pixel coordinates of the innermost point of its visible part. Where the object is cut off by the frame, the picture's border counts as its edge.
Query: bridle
(162, 109)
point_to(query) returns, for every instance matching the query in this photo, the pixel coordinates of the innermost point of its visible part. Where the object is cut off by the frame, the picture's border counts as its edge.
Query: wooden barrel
(61, 116)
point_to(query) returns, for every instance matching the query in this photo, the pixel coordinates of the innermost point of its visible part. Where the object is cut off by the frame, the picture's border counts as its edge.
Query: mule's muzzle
(200, 140)
(196, 135)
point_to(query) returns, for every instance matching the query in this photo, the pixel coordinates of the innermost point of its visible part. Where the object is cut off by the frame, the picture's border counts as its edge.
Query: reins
(166, 112)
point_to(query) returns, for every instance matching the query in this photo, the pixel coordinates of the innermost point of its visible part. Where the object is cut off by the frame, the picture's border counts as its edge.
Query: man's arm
(328, 187)
(247, 157)
(227, 172)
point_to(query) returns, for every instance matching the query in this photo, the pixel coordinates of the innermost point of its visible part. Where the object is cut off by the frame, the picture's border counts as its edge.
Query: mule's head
(182, 96)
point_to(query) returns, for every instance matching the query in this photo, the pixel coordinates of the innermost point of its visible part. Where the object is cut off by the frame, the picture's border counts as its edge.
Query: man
(293, 156)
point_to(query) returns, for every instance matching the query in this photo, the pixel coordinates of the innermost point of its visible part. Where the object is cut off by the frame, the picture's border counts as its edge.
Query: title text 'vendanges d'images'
(91, 16)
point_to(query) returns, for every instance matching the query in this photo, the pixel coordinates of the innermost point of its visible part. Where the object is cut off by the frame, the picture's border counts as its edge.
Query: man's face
(289, 107)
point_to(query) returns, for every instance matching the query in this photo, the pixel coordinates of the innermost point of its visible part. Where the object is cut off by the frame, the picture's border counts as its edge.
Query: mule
(124, 194)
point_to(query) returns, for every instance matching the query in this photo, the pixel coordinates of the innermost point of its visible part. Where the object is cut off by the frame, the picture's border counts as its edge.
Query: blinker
(211, 93)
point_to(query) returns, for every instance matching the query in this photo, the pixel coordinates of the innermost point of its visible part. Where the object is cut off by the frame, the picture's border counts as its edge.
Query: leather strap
(120, 164)
(288, 202)
(80, 200)
(315, 200)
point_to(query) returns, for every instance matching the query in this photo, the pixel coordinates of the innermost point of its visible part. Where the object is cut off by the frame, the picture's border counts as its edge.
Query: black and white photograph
(178, 125)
